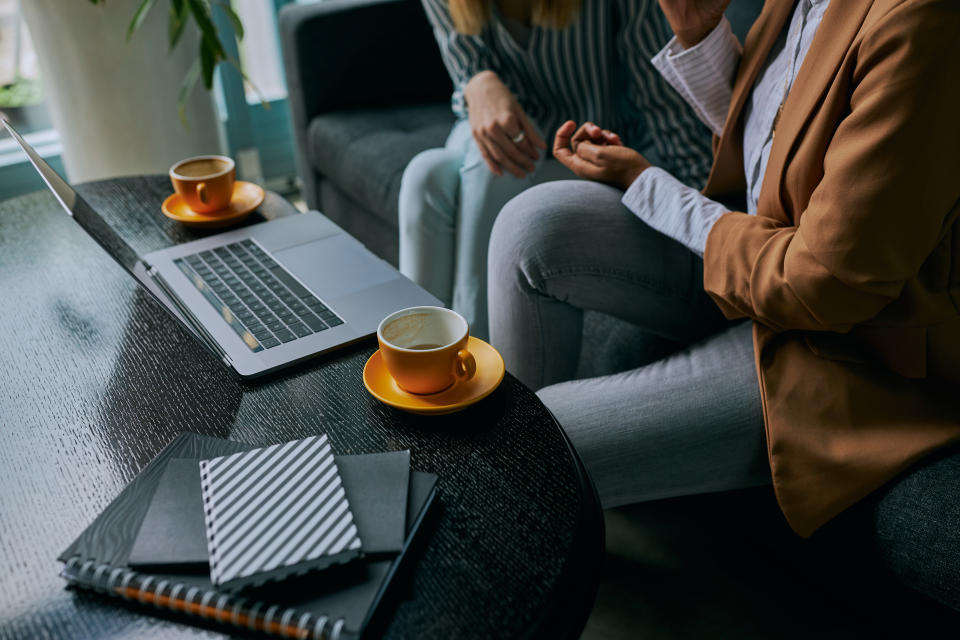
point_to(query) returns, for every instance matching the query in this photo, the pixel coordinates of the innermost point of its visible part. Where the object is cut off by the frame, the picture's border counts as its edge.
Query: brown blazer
(851, 269)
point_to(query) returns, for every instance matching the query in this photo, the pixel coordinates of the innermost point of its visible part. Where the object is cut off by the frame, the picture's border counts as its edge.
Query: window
(21, 95)
(259, 138)
(21, 102)
(260, 51)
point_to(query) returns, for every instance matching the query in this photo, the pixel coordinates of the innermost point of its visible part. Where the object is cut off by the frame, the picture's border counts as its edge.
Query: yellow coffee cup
(204, 182)
(425, 348)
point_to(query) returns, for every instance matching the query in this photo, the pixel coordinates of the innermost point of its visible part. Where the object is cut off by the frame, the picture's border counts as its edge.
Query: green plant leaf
(208, 62)
(212, 51)
(189, 82)
(179, 14)
(139, 17)
(201, 13)
(234, 18)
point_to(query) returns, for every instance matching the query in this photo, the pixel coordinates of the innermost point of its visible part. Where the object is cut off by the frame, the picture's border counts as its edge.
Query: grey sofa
(368, 92)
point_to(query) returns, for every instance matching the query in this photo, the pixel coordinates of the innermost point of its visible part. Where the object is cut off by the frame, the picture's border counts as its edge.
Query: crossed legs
(689, 423)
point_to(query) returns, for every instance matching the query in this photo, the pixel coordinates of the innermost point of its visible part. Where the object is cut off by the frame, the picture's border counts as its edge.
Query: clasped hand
(597, 154)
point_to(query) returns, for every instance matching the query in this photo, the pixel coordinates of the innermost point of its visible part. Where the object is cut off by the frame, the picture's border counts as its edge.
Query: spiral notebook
(339, 603)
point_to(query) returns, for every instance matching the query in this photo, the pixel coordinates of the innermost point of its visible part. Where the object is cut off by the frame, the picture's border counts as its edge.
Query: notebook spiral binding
(205, 603)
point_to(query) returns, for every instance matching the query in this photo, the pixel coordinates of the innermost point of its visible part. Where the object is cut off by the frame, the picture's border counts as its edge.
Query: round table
(97, 379)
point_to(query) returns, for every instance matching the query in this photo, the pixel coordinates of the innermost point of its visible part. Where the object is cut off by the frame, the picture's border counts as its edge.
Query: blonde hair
(471, 16)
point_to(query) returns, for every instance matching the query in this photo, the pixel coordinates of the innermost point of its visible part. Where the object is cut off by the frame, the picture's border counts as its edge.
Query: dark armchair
(367, 93)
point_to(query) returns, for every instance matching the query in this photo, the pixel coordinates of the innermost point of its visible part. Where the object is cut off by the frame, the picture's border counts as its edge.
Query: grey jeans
(691, 422)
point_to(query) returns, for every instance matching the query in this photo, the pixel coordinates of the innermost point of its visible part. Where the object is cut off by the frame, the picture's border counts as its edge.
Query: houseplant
(114, 99)
(212, 51)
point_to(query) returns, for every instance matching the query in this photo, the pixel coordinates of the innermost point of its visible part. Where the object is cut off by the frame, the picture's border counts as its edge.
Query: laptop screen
(83, 213)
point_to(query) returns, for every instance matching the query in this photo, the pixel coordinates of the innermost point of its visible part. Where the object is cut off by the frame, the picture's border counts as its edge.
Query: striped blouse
(598, 69)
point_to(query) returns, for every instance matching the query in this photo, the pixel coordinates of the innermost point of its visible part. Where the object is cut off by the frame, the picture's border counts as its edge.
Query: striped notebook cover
(276, 512)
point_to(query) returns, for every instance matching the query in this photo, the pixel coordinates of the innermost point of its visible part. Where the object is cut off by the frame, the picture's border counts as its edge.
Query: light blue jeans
(691, 422)
(449, 200)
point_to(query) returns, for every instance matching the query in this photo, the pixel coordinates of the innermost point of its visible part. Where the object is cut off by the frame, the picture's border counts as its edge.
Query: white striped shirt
(597, 70)
(703, 74)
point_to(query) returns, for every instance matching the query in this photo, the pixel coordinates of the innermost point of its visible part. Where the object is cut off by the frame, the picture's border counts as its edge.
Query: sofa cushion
(365, 151)
(916, 527)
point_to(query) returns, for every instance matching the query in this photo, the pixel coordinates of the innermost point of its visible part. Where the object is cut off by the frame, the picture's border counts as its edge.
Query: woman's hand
(590, 132)
(693, 20)
(506, 138)
(596, 156)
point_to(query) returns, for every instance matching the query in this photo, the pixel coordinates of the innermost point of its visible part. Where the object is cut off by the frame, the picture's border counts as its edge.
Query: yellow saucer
(461, 395)
(246, 197)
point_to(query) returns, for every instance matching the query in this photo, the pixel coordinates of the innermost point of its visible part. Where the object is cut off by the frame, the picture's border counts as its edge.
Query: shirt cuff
(672, 208)
(703, 74)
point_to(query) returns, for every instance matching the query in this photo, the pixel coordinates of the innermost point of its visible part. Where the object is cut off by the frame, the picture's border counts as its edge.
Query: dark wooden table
(96, 378)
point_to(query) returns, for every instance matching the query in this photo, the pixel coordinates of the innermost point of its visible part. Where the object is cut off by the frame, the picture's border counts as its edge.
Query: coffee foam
(406, 330)
(202, 168)
(417, 328)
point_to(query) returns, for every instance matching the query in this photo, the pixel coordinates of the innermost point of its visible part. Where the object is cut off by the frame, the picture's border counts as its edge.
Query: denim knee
(428, 188)
(513, 240)
(534, 229)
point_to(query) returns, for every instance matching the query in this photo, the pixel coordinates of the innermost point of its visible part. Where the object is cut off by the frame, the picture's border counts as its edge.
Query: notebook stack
(290, 539)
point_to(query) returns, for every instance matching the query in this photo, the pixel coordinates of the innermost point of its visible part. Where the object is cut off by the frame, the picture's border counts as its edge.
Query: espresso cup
(425, 348)
(204, 182)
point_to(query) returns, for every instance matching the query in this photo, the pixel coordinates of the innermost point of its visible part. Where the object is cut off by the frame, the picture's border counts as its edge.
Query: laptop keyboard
(257, 297)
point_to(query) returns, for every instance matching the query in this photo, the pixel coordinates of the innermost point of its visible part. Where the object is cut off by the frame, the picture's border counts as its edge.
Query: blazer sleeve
(891, 178)
(463, 55)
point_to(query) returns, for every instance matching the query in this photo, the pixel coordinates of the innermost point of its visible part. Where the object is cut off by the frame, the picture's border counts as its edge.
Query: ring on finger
(517, 139)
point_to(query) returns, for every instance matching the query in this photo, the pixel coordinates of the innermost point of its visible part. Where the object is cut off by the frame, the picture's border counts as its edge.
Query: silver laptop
(264, 296)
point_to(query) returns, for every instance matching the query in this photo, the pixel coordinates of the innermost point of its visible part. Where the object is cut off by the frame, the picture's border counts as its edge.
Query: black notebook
(173, 537)
(336, 604)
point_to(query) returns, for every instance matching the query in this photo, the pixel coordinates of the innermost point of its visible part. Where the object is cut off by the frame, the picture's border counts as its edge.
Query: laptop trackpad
(334, 266)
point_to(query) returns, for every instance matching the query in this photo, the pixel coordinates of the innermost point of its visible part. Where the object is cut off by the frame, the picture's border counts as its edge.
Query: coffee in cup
(425, 348)
(204, 182)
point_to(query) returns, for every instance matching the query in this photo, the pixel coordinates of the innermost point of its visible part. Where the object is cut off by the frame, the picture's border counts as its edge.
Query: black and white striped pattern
(598, 69)
(275, 511)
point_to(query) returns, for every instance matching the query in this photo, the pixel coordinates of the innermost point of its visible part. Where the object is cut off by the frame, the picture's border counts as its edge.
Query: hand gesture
(506, 138)
(597, 157)
(693, 20)
(590, 132)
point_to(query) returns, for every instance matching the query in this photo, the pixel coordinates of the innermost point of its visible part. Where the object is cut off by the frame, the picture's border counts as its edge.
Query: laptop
(262, 297)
